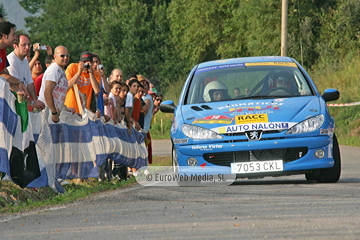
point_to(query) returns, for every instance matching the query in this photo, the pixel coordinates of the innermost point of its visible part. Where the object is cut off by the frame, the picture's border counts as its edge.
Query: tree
(340, 32)
(32, 6)
(164, 39)
(68, 23)
(2, 11)
(131, 35)
(136, 41)
(196, 28)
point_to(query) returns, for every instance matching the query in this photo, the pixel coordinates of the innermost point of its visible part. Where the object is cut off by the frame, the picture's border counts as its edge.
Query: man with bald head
(116, 75)
(55, 85)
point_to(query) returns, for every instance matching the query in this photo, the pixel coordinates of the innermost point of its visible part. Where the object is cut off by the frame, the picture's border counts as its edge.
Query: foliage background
(164, 39)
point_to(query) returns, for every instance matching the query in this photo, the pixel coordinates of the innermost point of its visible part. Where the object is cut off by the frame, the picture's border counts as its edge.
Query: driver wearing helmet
(283, 85)
(215, 91)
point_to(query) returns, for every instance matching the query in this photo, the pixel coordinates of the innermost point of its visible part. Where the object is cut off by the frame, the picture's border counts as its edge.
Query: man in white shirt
(55, 85)
(19, 67)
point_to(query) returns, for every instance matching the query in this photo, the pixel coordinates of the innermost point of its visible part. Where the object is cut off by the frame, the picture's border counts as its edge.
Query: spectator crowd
(74, 87)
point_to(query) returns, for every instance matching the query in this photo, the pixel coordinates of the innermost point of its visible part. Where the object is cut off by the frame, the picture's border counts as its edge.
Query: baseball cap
(140, 77)
(86, 56)
(151, 92)
(155, 90)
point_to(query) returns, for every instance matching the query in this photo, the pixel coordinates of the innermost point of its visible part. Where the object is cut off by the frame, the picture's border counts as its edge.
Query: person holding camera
(97, 66)
(104, 84)
(86, 79)
(37, 47)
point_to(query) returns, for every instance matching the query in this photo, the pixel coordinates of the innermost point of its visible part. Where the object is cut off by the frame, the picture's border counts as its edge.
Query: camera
(87, 65)
(100, 67)
(42, 47)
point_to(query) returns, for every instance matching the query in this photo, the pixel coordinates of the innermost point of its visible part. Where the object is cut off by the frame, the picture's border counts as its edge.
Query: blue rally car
(254, 117)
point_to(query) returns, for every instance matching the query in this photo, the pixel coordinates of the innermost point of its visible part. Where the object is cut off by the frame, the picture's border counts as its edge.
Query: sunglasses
(157, 99)
(63, 55)
(25, 44)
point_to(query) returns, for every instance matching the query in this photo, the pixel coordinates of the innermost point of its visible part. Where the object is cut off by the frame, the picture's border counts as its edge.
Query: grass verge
(15, 199)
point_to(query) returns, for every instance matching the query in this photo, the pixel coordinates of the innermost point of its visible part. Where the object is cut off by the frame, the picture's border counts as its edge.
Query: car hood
(285, 112)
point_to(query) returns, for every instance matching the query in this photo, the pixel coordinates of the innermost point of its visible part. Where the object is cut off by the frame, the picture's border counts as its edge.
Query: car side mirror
(330, 95)
(167, 106)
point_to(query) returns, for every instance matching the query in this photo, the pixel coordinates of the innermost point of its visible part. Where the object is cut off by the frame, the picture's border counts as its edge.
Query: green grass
(160, 129)
(15, 199)
(162, 161)
(344, 78)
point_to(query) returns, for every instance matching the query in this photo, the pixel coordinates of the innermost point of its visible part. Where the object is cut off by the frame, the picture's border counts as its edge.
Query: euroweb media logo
(183, 176)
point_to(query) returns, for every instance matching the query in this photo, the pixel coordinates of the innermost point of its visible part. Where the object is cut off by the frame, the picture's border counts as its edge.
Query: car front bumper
(298, 154)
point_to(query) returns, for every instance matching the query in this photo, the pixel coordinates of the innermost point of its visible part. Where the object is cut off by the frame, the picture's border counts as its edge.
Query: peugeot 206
(254, 117)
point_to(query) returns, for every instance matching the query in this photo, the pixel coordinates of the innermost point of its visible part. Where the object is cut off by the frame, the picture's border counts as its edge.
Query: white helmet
(213, 85)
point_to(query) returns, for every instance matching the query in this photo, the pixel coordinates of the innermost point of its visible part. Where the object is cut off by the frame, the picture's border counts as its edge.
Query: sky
(15, 13)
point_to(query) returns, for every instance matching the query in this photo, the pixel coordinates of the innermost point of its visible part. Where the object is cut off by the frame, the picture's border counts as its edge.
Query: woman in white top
(110, 109)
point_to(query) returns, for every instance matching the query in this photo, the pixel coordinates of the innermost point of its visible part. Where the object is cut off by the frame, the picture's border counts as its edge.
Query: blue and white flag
(72, 148)
(18, 139)
(8, 123)
(75, 147)
(100, 98)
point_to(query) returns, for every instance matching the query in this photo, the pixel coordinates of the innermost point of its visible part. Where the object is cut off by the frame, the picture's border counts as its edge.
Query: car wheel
(310, 176)
(174, 161)
(331, 175)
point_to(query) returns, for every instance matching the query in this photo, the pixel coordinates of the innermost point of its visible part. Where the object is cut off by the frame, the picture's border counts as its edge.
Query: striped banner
(72, 148)
(75, 147)
(342, 104)
(8, 123)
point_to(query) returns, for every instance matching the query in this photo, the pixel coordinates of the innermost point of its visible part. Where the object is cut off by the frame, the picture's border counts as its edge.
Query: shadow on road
(285, 182)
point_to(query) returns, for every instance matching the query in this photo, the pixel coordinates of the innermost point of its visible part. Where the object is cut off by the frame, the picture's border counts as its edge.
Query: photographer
(97, 66)
(37, 47)
(85, 78)
(104, 85)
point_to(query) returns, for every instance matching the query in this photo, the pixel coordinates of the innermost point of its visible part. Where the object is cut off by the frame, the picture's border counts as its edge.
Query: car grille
(243, 134)
(226, 158)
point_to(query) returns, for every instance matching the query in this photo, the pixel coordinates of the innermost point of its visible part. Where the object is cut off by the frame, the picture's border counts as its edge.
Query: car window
(239, 81)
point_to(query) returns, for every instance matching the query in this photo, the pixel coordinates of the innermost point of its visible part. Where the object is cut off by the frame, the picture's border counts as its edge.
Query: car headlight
(196, 132)
(308, 125)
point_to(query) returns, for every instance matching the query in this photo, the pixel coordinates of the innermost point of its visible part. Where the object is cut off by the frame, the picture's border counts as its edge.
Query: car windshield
(247, 81)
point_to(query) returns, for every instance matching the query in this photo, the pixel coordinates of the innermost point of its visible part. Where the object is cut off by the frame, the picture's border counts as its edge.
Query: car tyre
(175, 163)
(331, 175)
(310, 176)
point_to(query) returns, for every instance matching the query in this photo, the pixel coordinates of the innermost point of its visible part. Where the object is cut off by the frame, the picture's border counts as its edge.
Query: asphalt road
(161, 147)
(272, 208)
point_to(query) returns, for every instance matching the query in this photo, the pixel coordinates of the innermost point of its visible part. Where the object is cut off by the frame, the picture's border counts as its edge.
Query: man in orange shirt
(86, 79)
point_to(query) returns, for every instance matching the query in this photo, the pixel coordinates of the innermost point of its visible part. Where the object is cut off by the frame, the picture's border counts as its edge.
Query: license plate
(257, 167)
